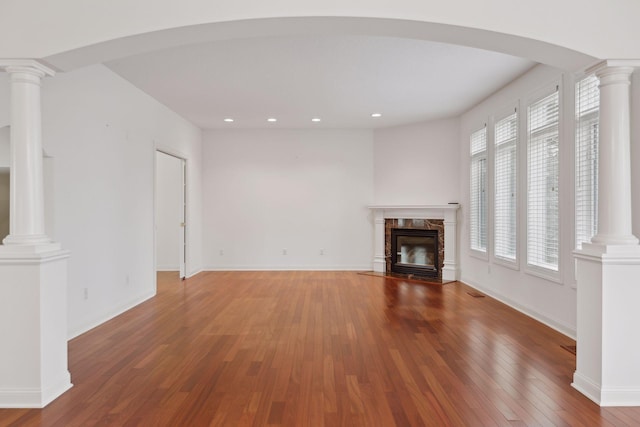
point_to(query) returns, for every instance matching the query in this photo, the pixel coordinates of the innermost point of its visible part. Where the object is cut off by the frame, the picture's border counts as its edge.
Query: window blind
(478, 193)
(587, 108)
(505, 201)
(542, 182)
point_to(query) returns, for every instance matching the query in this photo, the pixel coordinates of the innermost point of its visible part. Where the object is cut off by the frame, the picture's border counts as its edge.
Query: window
(506, 158)
(542, 183)
(478, 203)
(587, 106)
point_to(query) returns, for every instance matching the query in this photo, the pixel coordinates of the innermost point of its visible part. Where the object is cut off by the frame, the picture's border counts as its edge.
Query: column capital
(30, 66)
(614, 64)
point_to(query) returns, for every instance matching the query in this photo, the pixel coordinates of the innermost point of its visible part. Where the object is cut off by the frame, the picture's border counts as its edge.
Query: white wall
(417, 164)
(299, 190)
(102, 133)
(551, 302)
(168, 211)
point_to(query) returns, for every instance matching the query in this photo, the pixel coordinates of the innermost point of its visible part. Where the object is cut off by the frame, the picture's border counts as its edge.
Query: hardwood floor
(319, 348)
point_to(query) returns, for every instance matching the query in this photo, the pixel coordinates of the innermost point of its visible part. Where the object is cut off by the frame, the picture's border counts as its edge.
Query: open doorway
(170, 213)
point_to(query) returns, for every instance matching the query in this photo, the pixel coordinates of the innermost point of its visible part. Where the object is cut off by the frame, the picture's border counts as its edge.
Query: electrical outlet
(85, 293)
(321, 251)
(284, 252)
(221, 252)
(126, 280)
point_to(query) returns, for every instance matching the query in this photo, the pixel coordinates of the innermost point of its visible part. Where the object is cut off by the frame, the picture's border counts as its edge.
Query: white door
(170, 214)
(182, 241)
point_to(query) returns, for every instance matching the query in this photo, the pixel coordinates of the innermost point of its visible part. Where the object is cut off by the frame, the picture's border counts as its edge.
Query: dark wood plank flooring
(319, 348)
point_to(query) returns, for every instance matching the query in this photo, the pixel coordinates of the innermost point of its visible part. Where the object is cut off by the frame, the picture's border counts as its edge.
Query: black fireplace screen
(414, 252)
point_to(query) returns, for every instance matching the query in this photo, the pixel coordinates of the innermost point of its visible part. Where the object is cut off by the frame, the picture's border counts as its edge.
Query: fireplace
(442, 218)
(415, 252)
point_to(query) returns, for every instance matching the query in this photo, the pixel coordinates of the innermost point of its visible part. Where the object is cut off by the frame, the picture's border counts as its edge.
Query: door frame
(184, 234)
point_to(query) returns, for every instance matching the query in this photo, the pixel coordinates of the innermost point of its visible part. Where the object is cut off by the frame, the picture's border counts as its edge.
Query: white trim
(586, 386)
(34, 397)
(167, 268)
(556, 325)
(555, 85)
(620, 396)
(481, 255)
(361, 267)
(448, 213)
(512, 265)
(635, 63)
(194, 273)
(87, 326)
(27, 63)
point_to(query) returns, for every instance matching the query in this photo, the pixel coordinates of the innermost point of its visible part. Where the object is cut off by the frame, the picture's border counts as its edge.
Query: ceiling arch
(535, 50)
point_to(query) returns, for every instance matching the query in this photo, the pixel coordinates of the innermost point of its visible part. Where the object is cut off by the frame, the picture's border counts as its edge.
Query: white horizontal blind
(542, 183)
(505, 219)
(478, 202)
(587, 108)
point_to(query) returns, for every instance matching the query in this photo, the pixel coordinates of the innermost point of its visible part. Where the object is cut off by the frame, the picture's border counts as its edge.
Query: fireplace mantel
(448, 213)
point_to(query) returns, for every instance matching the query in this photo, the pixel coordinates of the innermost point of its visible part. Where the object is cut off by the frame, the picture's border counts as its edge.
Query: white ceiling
(341, 79)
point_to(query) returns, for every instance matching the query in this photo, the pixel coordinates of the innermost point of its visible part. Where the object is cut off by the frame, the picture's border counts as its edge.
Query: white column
(609, 267)
(26, 194)
(33, 271)
(614, 178)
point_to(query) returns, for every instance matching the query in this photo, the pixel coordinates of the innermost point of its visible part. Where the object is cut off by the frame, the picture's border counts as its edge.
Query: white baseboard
(363, 267)
(559, 326)
(193, 273)
(158, 268)
(111, 314)
(587, 387)
(34, 398)
(610, 396)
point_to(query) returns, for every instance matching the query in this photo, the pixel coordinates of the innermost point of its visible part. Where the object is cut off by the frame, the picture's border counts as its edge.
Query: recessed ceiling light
(228, 120)
(272, 119)
(316, 119)
(376, 115)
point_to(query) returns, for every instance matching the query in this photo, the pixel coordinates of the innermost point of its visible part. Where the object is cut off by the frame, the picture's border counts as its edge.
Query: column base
(379, 265)
(607, 313)
(29, 240)
(33, 325)
(449, 272)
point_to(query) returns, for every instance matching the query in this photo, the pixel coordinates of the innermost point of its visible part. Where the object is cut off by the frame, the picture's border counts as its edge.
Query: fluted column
(26, 196)
(614, 177)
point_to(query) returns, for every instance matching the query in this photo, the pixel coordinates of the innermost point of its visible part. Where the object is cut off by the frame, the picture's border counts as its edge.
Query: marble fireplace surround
(448, 213)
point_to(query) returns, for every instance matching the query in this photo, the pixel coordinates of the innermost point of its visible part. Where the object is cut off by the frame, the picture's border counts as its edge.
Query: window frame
(536, 96)
(502, 114)
(481, 254)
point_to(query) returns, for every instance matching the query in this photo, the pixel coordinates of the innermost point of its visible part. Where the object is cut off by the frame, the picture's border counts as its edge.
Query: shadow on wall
(4, 182)
(4, 204)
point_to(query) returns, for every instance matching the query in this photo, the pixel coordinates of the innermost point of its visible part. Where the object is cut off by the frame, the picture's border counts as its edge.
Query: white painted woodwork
(614, 177)
(33, 327)
(26, 194)
(607, 369)
(448, 213)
